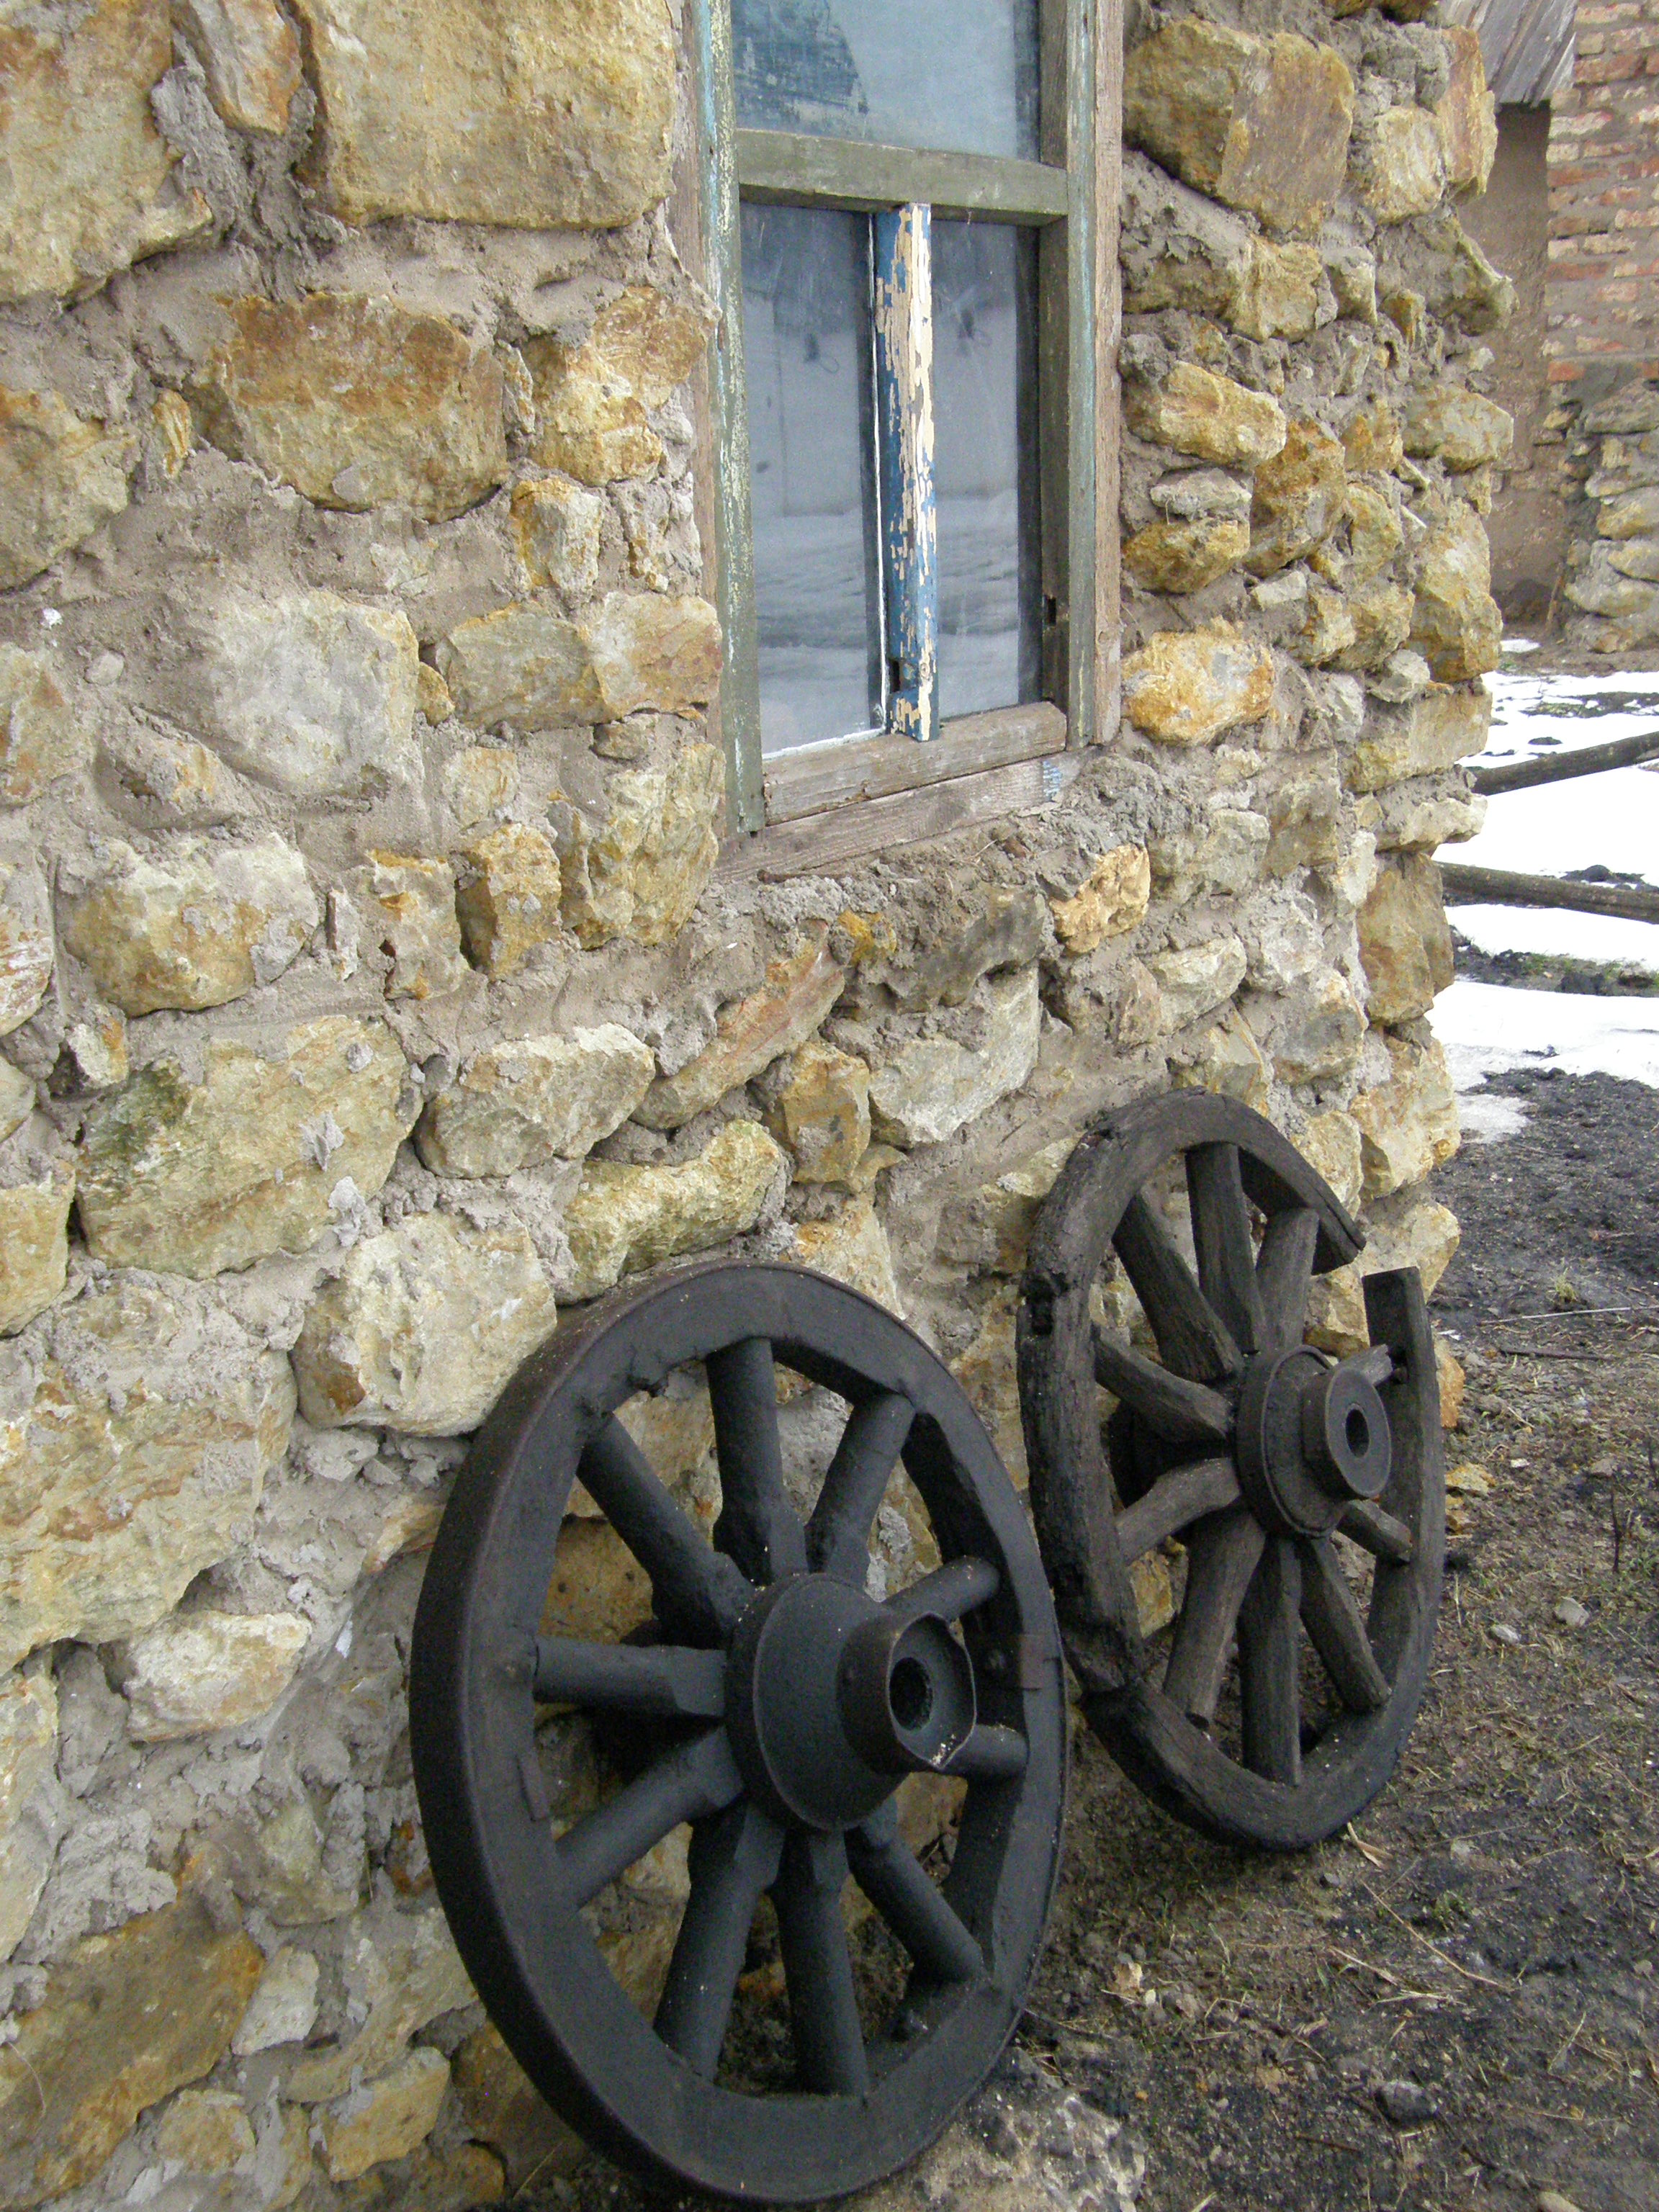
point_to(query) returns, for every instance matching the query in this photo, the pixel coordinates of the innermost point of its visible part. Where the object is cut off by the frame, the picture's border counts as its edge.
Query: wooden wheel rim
(1096, 1207)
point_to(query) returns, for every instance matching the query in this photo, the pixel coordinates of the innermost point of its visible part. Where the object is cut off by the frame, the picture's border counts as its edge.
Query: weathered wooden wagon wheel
(1252, 1451)
(771, 1704)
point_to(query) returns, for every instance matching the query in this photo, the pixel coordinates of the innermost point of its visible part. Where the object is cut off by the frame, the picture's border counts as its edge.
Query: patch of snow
(1487, 1028)
(1485, 1116)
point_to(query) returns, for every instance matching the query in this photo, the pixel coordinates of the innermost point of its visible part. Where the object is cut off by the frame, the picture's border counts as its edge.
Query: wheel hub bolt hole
(1356, 1430)
(910, 1692)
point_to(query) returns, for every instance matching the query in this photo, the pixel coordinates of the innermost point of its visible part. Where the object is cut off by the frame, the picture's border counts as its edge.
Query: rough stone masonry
(371, 993)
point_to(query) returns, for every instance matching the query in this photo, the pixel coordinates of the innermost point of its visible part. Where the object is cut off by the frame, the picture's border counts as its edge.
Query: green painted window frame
(1059, 197)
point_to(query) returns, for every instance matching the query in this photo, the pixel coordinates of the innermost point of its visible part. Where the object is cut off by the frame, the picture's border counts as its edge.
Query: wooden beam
(841, 172)
(904, 448)
(818, 777)
(1498, 887)
(1587, 759)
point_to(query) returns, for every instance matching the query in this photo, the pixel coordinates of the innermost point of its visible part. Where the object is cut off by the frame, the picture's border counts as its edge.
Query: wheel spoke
(1378, 1533)
(1221, 1557)
(885, 1869)
(838, 1533)
(657, 1682)
(1337, 1631)
(697, 1592)
(757, 1525)
(1221, 1239)
(1284, 1275)
(699, 1779)
(1269, 1660)
(817, 1966)
(734, 1859)
(1377, 1365)
(1192, 1336)
(1180, 1411)
(1184, 1495)
(958, 1587)
(990, 1754)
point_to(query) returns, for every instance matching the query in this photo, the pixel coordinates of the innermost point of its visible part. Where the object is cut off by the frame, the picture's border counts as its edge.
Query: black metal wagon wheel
(1286, 1695)
(772, 1705)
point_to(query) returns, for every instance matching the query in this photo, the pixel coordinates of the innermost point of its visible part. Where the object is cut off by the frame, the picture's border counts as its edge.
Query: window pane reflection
(818, 575)
(985, 465)
(959, 76)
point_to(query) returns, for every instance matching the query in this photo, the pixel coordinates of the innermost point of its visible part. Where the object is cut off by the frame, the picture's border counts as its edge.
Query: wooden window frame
(821, 804)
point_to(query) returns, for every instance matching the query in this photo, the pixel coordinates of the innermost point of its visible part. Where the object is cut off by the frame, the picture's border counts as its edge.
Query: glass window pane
(985, 465)
(812, 437)
(957, 76)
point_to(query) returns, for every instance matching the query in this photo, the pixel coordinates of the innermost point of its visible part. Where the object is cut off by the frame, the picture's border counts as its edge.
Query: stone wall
(371, 993)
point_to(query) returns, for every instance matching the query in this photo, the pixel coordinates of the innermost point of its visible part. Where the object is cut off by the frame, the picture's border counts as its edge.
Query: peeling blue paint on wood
(904, 405)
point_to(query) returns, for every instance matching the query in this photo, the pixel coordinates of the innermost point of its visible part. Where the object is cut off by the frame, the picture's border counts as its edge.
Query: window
(898, 209)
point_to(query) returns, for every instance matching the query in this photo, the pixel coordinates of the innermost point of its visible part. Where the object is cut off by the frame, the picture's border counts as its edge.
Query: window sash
(1058, 196)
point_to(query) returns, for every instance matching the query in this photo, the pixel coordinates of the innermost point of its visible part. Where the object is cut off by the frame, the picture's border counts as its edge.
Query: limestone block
(31, 1802)
(313, 694)
(204, 2130)
(1634, 556)
(432, 695)
(33, 1246)
(1227, 1061)
(1629, 411)
(1286, 943)
(1421, 817)
(279, 1865)
(530, 1100)
(503, 2108)
(283, 2008)
(87, 187)
(1405, 940)
(934, 1085)
(39, 736)
(1299, 499)
(1321, 1032)
(61, 476)
(133, 1461)
(128, 2019)
(1111, 901)
(197, 926)
(653, 650)
(401, 1971)
(623, 1218)
(991, 1228)
(252, 57)
(97, 1045)
(358, 403)
(1009, 931)
(1601, 588)
(1277, 295)
(556, 529)
(1195, 411)
(1406, 1231)
(479, 781)
(1223, 850)
(1186, 687)
(987, 1371)
(1374, 536)
(508, 899)
(188, 785)
(194, 1178)
(1456, 624)
(1401, 167)
(1263, 125)
(423, 1327)
(1466, 114)
(1180, 250)
(1195, 983)
(640, 870)
(525, 666)
(1351, 272)
(1633, 516)
(823, 1112)
(1333, 1144)
(561, 121)
(1437, 731)
(1470, 291)
(386, 2118)
(1409, 1125)
(1305, 820)
(1194, 494)
(408, 909)
(201, 1671)
(26, 945)
(1186, 556)
(1373, 444)
(1464, 429)
(1380, 614)
(593, 400)
(1329, 631)
(797, 995)
(852, 1248)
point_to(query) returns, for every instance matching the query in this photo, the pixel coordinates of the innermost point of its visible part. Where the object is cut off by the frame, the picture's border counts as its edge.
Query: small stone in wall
(313, 693)
(1351, 272)
(593, 400)
(530, 1100)
(1009, 931)
(88, 187)
(26, 945)
(1329, 631)
(252, 57)
(623, 1218)
(1464, 429)
(480, 781)
(534, 670)
(1299, 499)
(503, 2108)
(16, 1099)
(823, 1112)
(1332, 1143)
(194, 1178)
(1278, 292)
(385, 2119)
(39, 736)
(1456, 623)
(1321, 1032)
(934, 1085)
(196, 1672)
(795, 997)
(1224, 849)
(556, 530)
(284, 2006)
(651, 650)
(1404, 1232)
(1195, 411)
(1405, 940)
(423, 1327)
(561, 122)
(1373, 444)
(640, 871)
(990, 1229)
(127, 2019)
(1187, 686)
(408, 909)
(1374, 536)
(358, 403)
(1409, 1125)
(31, 1802)
(1186, 556)
(401, 1971)
(282, 1865)
(196, 926)
(1423, 816)
(1304, 813)
(1466, 113)
(1227, 1061)
(1401, 166)
(1435, 730)
(852, 1248)
(1380, 614)
(508, 899)
(60, 478)
(204, 2132)
(33, 1246)
(1195, 983)
(186, 784)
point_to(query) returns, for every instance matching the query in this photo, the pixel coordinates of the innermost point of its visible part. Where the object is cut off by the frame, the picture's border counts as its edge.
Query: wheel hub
(1312, 1440)
(831, 1698)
